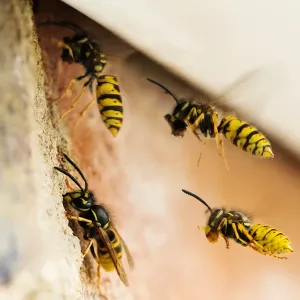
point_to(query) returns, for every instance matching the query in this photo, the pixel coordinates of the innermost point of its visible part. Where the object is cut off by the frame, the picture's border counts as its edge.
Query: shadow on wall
(140, 174)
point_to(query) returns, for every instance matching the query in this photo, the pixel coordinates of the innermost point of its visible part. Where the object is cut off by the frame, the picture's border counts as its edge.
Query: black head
(211, 232)
(81, 200)
(178, 126)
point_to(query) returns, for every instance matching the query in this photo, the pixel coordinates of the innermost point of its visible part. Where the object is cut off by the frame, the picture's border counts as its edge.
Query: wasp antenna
(198, 198)
(70, 176)
(164, 88)
(79, 171)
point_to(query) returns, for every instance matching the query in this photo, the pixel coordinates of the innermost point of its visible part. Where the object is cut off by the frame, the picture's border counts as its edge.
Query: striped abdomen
(103, 253)
(272, 240)
(110, 103)
(245, 136)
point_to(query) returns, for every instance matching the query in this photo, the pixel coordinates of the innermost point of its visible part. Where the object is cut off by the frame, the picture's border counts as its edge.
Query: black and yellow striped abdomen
(272, 240)
(103, 253)
(245, 136)
(110, 103)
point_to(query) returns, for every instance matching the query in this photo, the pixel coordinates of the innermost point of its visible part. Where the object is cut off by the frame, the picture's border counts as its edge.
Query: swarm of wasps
(105, 243)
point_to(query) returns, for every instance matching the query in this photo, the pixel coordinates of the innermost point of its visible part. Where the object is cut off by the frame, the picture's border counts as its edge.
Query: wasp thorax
(98, 214)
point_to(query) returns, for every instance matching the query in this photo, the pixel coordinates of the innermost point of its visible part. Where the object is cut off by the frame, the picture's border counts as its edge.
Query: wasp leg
(278, 257)
(87, 249)
(223, 223)
(216, 133)
(61, 44)
(98, 282)
(73, 105)
(237, 236)
(71, 217)
(194, 125)
(199, 118)
(84, 111)
(200, 155)
(270, 253)
(248, 236)
(97, 259)
(226, 241)
(66, 90)
(222, 154)
(257, 250)
(198, 162)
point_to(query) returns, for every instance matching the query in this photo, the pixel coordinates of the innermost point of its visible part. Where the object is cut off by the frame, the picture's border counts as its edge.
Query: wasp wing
(128, 254)
(116, 261)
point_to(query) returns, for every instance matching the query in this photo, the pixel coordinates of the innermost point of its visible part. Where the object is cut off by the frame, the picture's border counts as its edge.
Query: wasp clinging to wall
(231, 224)
(105, 243)
(81, 49)
(204, 118)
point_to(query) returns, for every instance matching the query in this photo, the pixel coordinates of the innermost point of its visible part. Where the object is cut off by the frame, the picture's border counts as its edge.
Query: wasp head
(80, 200)
(178, 126)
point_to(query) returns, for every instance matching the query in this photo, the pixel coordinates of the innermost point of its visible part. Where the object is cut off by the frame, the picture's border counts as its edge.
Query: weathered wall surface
(139, 176)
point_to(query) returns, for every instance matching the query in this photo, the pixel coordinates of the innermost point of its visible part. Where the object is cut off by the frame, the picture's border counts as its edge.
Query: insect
(231, 224)
(205, 119)
(81, 49)
(98, 228)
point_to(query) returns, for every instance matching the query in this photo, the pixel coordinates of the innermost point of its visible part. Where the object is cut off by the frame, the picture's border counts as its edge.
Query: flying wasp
(204, 118)
(98, 228)
(81, 49)
(231, 224)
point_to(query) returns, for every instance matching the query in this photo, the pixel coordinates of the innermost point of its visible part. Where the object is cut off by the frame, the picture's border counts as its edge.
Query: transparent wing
(128, 254)
(116, 261)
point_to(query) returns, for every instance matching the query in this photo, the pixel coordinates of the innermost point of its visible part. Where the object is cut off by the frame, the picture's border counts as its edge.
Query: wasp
(231, 224)
(105, 243)
(81, 49)
(205, 119)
